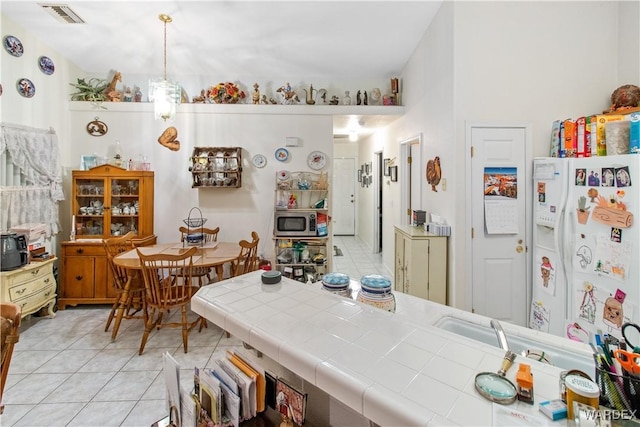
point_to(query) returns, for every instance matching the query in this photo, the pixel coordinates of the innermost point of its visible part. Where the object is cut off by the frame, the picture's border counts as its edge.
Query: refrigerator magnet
(616, 234)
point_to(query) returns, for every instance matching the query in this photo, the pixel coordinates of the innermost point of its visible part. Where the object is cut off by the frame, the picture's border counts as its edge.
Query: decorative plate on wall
(46, 65)
(282, 154)
(26, 88)
(317, 160)
(13, 45)
(259, 161)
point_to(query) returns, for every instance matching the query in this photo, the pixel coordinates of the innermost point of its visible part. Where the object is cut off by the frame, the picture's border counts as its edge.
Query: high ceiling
(232, 40)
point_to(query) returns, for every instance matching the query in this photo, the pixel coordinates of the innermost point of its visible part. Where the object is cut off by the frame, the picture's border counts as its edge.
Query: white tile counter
(395, 369)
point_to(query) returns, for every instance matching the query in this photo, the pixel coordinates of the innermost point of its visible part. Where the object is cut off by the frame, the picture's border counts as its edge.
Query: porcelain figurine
(288, 95)
(255, 97)
(347, 99)
(376, 96)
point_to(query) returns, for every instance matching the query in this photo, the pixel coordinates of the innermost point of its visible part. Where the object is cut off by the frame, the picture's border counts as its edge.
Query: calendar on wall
(501, 200)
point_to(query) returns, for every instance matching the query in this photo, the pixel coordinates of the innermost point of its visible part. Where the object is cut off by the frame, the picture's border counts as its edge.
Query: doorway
(500, 173)
(411, 184)
(377, 202)
(344, 205)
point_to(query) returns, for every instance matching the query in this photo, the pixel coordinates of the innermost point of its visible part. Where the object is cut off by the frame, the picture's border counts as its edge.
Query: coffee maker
(13, 251)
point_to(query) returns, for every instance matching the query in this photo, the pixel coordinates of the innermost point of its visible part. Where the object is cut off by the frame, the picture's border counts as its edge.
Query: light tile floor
(66, 371)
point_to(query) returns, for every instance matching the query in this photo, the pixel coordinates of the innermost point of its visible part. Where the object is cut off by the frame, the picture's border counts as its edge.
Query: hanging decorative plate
(97, 127)
(283, 175)
(282, 154)
(259, 161)
(316, 160)
(13, 45)
(26, 88)
(46, 65)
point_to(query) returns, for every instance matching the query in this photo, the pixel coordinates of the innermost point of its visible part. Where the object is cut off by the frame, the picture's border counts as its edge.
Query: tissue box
(33, 231)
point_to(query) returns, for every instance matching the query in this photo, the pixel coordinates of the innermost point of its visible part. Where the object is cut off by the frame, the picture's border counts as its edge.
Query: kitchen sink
(573, 356)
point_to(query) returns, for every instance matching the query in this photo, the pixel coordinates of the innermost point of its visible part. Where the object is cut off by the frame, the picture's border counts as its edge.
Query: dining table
(208, 255)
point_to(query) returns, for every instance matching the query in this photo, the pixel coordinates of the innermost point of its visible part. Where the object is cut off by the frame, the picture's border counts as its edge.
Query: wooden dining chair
(169, 284)
(10, 317)
(209, 235)
(247, 260)
(134, 302)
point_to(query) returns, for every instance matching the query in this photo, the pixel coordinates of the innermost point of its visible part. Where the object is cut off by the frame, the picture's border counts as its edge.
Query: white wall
(47, 108)
(236, 211)
(501, 62)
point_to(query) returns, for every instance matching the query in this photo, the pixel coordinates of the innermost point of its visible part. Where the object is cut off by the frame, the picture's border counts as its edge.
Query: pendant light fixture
(164, 93)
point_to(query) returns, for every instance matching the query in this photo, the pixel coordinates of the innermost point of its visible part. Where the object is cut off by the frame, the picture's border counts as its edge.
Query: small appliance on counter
(13, 251)
(419, 218)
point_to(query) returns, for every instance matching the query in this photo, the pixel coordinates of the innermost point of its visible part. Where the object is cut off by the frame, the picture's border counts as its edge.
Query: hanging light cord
(165, 18)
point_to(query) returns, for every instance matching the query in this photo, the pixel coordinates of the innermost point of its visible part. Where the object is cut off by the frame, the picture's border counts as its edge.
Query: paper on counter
(509, 417)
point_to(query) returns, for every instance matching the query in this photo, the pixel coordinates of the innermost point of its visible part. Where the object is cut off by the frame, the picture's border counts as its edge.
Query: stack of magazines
(234, 389)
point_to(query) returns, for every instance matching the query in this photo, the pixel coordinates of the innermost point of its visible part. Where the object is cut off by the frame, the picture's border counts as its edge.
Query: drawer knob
(78, 278)
(21, 291)
(80, 250)
(47, 294)
(46, 280)
(34, 272)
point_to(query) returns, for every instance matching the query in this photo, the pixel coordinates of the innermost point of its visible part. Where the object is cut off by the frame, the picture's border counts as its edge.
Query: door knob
(519, 249)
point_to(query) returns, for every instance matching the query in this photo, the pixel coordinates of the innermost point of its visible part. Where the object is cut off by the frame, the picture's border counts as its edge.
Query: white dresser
(32, 287)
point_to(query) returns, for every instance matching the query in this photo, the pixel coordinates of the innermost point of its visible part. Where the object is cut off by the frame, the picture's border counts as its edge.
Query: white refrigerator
(586, 245)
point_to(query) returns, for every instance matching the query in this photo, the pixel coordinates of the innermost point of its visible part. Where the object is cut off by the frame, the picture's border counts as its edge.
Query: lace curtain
(35, 153)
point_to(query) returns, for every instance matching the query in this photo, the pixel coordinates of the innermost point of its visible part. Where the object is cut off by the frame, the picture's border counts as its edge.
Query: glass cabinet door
(125, 206)
(89, 207)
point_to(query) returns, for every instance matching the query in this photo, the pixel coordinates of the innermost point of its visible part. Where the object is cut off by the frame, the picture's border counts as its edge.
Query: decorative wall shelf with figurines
(216, 167)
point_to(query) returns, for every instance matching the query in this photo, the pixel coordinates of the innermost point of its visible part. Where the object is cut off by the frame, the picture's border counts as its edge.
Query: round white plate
(282, 154)
(283, 175)
(317, 160)
(259, 161)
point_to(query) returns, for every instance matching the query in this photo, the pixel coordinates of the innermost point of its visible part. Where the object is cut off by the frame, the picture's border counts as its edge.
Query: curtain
(35, 153)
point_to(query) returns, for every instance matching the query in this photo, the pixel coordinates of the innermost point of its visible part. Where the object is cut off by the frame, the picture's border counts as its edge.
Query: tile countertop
(395, 369)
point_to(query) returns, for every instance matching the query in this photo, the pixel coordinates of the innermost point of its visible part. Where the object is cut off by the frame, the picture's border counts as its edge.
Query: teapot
(96, 204)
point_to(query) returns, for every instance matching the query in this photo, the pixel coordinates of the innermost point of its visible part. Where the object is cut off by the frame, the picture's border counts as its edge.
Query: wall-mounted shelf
(216, 167)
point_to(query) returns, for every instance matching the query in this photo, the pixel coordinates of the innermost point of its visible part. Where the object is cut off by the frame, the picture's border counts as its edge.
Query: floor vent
(62, 13)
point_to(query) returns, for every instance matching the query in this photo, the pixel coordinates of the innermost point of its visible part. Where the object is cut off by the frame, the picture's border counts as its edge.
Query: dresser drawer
(84, 250)
(24, 290)
(33, 271)
(35, 301)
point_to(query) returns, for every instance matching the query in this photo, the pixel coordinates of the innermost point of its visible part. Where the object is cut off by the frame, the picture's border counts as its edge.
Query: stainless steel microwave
(295, 223)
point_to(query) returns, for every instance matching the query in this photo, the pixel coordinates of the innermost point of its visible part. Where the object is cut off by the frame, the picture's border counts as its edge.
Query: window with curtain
(30, 181)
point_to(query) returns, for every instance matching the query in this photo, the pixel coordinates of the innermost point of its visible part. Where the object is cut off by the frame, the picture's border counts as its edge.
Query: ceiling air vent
(62, 13)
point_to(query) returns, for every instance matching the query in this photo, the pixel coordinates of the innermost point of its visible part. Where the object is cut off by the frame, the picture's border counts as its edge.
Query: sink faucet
(502, 338)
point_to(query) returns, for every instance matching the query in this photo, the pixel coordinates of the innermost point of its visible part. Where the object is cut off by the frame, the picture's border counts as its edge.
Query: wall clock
(259, 161)
(316, 160)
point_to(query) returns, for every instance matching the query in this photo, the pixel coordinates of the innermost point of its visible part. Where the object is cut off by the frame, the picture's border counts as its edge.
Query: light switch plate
(291, 141)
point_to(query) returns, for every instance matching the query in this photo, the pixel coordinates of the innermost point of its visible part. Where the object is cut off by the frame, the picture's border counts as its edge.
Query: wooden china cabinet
(107, 201)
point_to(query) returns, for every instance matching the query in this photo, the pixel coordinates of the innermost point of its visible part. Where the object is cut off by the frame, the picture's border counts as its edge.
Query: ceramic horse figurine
(111, 92)
(289, 96)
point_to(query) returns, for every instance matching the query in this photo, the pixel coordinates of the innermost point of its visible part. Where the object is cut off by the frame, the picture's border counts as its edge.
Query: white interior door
(343, 211)
(500, 283)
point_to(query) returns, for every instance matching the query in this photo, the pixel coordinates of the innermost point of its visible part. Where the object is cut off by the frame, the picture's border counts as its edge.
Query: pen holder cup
(619, 392)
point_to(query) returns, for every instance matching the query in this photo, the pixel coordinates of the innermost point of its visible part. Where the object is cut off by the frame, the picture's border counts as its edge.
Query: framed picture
(359, 175)
(393, 172)
(386, 167)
